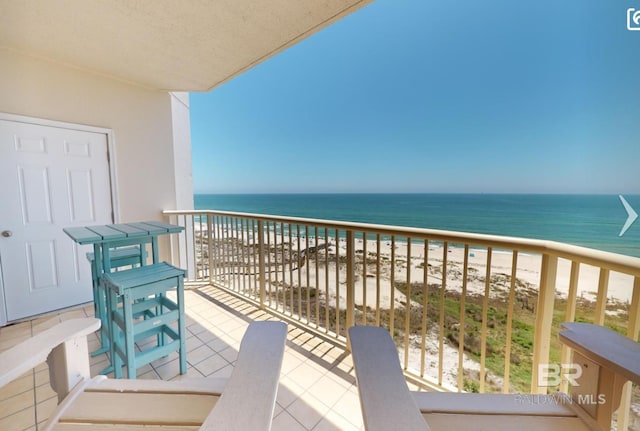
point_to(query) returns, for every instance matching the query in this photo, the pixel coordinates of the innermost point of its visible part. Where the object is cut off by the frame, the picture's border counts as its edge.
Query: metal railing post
(601, 299)
(351, 256)
(544, 319)
(210, 246)
(261, 270)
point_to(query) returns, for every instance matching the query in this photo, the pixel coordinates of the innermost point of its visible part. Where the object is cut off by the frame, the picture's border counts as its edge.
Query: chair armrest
(606, 360)
(605, 347)
(28, 354)
(249, 397)
(387, 403)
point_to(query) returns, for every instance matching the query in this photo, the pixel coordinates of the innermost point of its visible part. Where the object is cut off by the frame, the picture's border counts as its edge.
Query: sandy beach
(620, 286)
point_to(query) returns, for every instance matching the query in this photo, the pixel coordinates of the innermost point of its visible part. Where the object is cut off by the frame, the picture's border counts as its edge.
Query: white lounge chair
(245, 401)
(607, 359)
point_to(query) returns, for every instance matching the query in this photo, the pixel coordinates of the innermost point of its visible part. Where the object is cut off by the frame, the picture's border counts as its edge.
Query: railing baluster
(257, 271)
(364, 278)
(307, 267)
(244, 254)
(210, 245)
(326, 279)
(509, 330)
(268, 251)
(351, 256)
(227, 253)
(276, 295)
(187, 261)
(237, 263)
(201, 243)
(317, 254)
(601, 301)
(443, 288)
(378, 279)
(237, 255)
(299, 271)
(227, 271)
(194, 265)
(219, 256)
(425, 305)
(250, 252)
(485, 318)
(337, 281)
(291, 288)
(407, 307)
(261, 261)
(392, 293)
(234, 253)
(284, 269)
(461, 332)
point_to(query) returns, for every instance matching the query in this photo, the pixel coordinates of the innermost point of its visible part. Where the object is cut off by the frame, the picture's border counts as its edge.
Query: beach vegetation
(522, 324)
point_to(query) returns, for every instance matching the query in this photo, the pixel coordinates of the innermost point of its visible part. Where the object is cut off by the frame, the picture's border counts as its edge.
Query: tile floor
(317, 386)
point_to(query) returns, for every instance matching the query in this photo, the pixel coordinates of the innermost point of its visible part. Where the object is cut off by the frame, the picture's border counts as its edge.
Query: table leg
(110, 300)
(181, 325)
(154, 248)
(161, 338)
(99, 301)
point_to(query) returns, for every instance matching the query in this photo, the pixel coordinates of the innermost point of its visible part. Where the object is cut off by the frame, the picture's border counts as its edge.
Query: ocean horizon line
(417, 193)
(589, 220)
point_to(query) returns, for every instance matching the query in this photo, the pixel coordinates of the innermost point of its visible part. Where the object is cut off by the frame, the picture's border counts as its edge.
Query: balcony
(468, 312)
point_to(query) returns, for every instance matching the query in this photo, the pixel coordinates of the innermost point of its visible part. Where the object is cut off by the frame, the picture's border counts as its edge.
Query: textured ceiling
(186, 45)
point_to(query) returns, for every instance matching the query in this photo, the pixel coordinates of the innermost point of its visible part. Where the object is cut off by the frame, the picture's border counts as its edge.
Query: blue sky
(435, 96)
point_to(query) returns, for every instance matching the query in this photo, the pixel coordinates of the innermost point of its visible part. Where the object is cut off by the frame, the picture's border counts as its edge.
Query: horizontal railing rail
(469, 312)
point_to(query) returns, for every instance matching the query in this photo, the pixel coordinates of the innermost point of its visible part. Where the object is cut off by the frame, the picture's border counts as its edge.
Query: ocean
(593, 221)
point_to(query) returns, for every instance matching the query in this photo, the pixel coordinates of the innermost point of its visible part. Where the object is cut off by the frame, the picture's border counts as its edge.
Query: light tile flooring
(317, 386)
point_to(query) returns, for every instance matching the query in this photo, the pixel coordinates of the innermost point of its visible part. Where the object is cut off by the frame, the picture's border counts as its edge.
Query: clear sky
(435, 96)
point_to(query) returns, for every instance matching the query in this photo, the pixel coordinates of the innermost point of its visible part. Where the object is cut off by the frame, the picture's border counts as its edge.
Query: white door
(50, 178)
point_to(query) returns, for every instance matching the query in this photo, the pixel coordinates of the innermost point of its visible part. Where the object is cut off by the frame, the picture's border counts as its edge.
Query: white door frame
(112, 173)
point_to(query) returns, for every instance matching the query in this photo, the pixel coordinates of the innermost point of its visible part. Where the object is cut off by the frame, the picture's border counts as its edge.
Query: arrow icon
(632, 215)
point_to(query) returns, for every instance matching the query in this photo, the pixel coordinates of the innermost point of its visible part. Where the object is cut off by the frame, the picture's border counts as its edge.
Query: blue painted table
(106, 238)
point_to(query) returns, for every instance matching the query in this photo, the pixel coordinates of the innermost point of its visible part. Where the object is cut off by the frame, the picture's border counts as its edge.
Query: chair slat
(248, 400)
(464, 422)
(108, 427)
(139, 408)
(385, 399)
(187, 385)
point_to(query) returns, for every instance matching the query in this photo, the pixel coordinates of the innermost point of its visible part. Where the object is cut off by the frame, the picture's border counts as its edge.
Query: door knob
(7, 233)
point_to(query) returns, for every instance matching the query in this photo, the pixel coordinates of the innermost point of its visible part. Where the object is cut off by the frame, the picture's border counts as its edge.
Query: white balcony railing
(469, 312)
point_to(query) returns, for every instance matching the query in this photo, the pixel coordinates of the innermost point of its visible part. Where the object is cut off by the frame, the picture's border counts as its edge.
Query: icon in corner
(632, 215)
(633, 19)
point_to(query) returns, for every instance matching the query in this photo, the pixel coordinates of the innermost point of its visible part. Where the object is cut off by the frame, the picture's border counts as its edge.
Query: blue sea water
(593, 221)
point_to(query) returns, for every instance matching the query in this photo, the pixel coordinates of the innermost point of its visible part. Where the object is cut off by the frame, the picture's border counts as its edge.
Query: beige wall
(145, 125)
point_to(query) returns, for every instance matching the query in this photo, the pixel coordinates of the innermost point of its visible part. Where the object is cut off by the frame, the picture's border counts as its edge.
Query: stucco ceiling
(177, 45)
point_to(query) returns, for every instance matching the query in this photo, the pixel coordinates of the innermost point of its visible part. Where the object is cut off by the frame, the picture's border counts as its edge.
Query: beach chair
(245, 401)
(606, 358)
